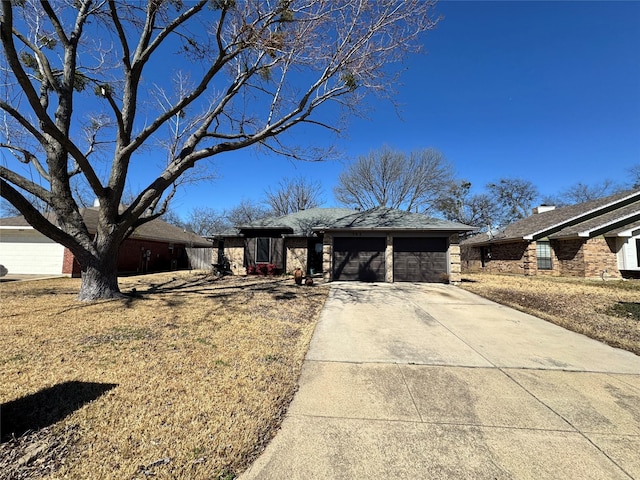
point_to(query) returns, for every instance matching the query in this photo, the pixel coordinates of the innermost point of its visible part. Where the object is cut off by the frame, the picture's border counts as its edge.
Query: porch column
(327, 267)
(388, 259)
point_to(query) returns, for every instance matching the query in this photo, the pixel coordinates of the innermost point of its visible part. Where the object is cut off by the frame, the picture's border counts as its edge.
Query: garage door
(359, 258)
(29, 252)
(419, 259)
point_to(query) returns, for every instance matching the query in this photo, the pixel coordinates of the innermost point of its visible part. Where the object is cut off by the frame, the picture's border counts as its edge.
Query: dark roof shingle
(383, 218)
(564, 219)
(157, 229)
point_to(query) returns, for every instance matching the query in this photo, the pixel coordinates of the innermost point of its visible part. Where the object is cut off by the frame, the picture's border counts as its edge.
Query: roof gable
(582, 219)
(583, 212)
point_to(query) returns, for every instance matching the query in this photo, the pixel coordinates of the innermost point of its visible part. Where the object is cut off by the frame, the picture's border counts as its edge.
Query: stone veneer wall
(455, 267)
(388, 260)
(234, 251)
(327, 259)
(297, 252)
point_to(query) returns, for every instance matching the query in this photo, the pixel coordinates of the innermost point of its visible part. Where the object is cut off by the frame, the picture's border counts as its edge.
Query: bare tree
(173, 218)
(294, 194)
(247, 212)
(514, 199)
(391, 178)
(634, 176)
(581, 192)
(251, 70)
(459, 205)
(206, 221)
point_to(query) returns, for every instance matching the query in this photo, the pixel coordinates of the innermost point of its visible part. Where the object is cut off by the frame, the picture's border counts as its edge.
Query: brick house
(377, 245)
(153, 247)
(600, 238)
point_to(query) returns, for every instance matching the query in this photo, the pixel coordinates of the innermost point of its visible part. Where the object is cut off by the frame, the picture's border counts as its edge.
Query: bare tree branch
(392, 179)
(293, 195)
(256, 69)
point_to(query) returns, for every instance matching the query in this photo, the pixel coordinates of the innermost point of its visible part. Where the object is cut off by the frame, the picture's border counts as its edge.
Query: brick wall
(513, 258)
(163, 256)
(132, 258)
(571, 258)
(470, 259)
(600, 258)
(69, 264)
(508, 258)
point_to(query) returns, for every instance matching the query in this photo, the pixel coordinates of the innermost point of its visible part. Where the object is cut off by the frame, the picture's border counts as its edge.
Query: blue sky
(545, 91)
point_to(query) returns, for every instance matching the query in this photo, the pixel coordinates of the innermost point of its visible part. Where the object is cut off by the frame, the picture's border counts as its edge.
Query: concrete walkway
(432, 382)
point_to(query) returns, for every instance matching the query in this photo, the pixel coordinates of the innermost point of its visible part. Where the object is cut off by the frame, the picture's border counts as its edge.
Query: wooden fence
(200, 258)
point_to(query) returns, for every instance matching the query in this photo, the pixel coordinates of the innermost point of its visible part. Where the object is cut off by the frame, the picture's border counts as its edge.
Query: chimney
(543, 208)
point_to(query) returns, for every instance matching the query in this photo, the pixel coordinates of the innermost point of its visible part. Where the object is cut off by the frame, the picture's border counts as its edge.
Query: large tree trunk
(100, 278)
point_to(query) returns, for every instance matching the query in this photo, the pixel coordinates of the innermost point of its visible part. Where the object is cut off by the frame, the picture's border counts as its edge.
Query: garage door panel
(420, 244)
(30, 253)
(420, 259)
(360, 259)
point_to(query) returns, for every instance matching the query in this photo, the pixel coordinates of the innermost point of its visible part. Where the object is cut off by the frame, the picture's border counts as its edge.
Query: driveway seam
(450, 424)
(453, 333)
(462, 365)
(582, 434)
(406, 385)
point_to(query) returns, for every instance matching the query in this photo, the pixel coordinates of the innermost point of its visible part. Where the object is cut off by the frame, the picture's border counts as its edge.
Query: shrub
(262, 269)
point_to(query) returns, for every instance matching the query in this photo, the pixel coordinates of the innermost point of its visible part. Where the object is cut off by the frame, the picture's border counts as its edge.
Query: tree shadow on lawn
(46, 407)
(218, 288)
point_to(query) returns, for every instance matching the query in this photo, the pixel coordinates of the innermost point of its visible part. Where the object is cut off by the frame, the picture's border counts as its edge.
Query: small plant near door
(265, 269)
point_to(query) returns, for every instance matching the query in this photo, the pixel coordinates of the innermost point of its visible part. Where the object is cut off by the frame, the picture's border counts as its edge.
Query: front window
(543, 254)
(263, 249)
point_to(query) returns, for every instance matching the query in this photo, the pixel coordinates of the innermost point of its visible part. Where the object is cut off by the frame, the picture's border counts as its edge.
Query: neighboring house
(381, 245)
(600, 238)
(153, 247)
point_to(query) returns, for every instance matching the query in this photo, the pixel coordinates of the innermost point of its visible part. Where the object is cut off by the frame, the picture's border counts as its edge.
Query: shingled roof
(305, 222)
(300, 223)
(383, 218)
(580, 220)
(157, 229)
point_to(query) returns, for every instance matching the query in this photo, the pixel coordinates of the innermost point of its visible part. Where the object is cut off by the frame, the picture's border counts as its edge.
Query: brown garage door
(359, 258)
(419, 259)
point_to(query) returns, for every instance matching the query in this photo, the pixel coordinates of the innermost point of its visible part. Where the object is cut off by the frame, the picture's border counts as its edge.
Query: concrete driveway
(432, 382)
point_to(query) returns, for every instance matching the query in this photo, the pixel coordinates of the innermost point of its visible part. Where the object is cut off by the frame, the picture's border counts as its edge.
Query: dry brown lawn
(189, 378)
(608, 311)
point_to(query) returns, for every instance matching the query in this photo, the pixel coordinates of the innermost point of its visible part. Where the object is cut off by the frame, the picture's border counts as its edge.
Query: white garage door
(28, 251)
